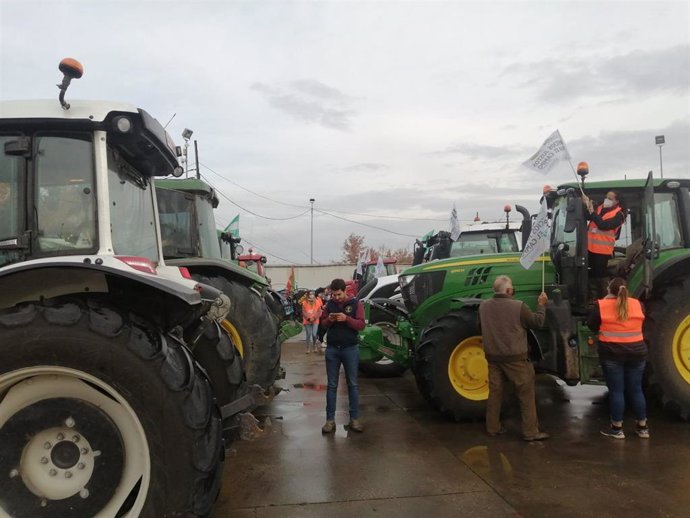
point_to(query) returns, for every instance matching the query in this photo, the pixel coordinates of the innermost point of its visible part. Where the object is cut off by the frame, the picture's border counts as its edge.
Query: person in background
(311, 314)
(604, 227)
(343, 318)
(321, 294)
(504, 323)
(623, 353)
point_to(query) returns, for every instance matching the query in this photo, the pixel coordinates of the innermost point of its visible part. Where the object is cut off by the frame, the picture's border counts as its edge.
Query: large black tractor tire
(102, 414)
(667, 329)
(216, 353)
(384, 368)
(450, 367)
(252, 329)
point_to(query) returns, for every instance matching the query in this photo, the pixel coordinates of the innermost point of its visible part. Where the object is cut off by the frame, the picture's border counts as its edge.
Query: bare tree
(352, 247)
(403, 255)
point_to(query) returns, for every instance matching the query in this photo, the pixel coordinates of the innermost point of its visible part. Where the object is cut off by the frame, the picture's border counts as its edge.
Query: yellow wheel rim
(468, 370)
(681, 348)
(234, 336)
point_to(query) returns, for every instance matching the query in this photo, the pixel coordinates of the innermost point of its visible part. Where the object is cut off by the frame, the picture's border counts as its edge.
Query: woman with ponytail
(623, 354)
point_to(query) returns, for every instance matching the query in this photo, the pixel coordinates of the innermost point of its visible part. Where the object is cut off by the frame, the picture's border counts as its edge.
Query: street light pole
(660, 141)
(311, 241)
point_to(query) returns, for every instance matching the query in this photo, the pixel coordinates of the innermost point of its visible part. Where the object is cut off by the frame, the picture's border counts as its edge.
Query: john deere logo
(348, 309)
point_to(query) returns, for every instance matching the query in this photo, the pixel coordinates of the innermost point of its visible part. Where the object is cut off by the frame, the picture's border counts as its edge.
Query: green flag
(234, 227)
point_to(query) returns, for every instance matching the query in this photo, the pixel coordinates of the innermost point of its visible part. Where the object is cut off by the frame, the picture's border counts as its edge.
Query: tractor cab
(477, 238)
(188, 227)
(253, 262)
(657, 220)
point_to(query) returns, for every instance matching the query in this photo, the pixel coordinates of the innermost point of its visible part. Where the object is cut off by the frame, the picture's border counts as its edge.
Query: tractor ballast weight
(439, 338)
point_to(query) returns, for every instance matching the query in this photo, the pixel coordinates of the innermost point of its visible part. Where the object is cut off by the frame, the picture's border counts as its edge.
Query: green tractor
(257, 324)
(436, 331)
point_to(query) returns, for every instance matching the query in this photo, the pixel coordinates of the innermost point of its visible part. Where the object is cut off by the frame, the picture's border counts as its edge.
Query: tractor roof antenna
(582, 171)
(71, 69)
(507, 208)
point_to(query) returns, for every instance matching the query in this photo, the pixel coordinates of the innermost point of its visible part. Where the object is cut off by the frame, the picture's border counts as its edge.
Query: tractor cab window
(132, 218)
(564, 242)
(175, 212)
(11, 185)
(666, 221)
(475, 243)
(65, 197)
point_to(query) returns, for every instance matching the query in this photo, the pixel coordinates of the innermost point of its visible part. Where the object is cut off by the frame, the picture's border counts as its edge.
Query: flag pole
(543, 268)
(576, 178)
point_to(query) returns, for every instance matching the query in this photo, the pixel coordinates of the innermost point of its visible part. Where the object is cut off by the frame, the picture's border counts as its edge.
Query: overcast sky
(386, 113)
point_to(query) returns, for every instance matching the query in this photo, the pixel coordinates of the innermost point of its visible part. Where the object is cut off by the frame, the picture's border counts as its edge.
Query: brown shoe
(541, 436)
(355, 425)
(500, 432)
(329, 427)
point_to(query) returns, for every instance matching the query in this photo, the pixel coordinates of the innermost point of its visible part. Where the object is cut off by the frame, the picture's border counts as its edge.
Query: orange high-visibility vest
(602, 241)
(613, 330)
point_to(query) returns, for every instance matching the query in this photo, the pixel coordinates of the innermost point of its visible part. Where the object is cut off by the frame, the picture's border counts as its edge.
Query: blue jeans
(624, 380)
(310, 330)
(349, 358)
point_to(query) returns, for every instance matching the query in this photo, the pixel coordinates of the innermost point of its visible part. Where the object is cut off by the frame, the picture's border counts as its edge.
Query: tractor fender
(667, 272)
(167, 301)
(210, 267)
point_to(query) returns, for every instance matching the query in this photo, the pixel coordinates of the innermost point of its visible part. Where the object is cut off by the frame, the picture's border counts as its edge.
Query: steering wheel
(619, 251)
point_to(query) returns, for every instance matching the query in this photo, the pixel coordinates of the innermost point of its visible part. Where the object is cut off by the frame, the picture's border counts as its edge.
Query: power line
(366, 224)
(303, 206)
(249, 211)
(268, 251)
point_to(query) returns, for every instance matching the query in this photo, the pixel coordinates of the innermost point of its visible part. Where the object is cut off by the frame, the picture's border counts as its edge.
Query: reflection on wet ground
(410, 462)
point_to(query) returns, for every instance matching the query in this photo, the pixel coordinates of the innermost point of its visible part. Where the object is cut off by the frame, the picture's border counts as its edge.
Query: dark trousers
(348, 357)
(598, 275)
(521, 375)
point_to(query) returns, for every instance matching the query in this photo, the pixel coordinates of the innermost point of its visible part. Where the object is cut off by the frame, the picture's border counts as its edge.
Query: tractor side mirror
(19, 147)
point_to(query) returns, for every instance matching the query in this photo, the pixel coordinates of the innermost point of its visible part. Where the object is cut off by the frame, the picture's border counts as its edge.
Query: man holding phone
(342, 318)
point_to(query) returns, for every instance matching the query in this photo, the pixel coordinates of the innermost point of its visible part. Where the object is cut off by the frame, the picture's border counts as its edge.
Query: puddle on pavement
(311, 386)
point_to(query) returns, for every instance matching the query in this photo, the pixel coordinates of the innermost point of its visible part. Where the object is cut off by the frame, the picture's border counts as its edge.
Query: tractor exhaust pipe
(526, 224)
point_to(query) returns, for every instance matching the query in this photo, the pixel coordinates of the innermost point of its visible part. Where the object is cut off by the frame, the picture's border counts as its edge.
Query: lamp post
(660, 141)
(311, 241)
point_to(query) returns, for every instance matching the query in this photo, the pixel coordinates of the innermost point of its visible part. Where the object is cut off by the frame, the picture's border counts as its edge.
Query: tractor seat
(622, 266)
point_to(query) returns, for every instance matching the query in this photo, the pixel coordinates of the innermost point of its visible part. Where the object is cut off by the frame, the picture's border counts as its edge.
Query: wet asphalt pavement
(411, 462)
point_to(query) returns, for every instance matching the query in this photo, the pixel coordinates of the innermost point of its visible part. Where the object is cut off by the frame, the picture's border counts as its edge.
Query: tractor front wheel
(668, 331)
(101, 415)
(450, 367)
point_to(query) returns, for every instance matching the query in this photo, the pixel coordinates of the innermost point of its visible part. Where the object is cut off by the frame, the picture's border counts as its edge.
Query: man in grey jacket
(504, 323)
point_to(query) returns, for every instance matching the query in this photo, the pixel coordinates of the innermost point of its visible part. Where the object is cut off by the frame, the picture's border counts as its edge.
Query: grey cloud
(367, 167)
(318, 89)
(477, 151)
(638, 72)
(310, 101)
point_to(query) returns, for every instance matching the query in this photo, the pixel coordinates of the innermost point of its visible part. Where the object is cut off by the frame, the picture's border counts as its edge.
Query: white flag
(454, 224)
(360, 264)
(538, 239)
(551, 151)
(380, 270)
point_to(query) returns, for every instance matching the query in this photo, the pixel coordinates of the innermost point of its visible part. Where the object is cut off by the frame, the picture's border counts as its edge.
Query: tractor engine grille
(477, 276)
(417, 288)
